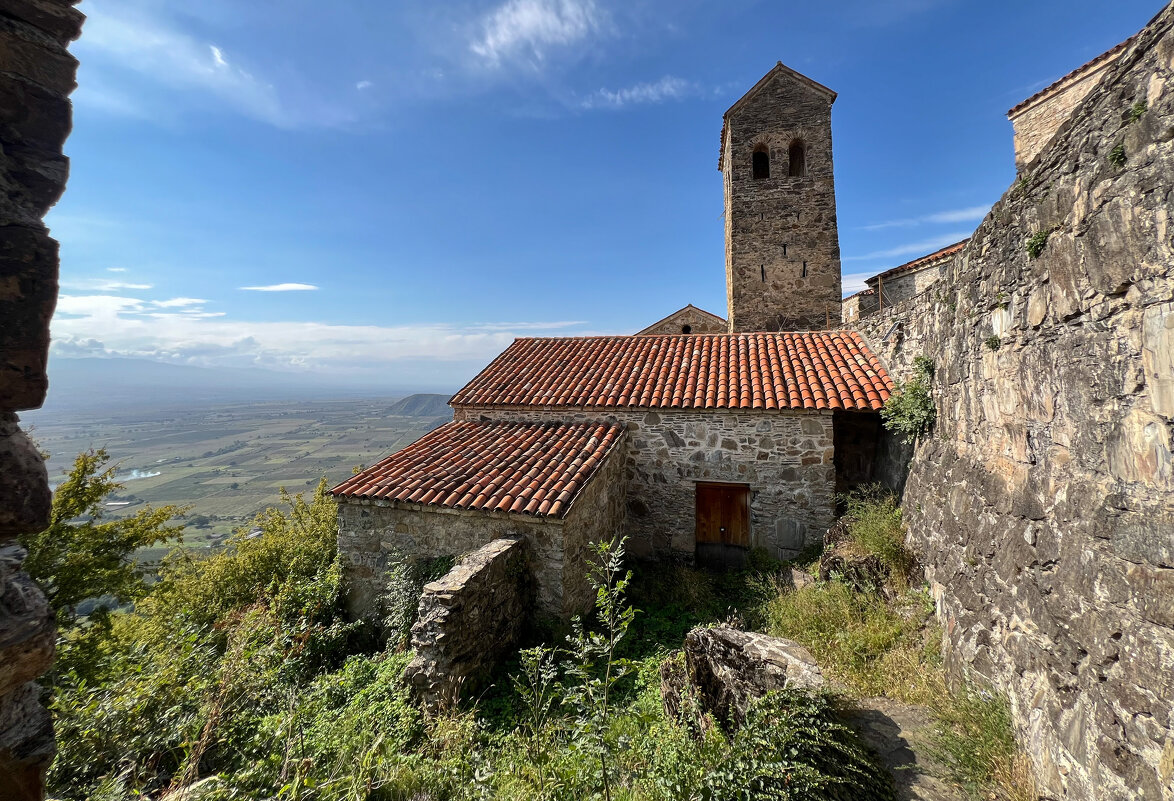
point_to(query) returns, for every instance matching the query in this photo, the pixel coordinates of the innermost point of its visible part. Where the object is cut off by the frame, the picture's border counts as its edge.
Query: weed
(976, 741)
(1137, 110)
(1117, 156)
(1036, 243)
(993, 342)
(874, 526)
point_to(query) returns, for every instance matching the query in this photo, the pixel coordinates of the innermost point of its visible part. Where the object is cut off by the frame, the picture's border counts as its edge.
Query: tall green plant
(537, 695)
(592, 662)
(80, 556)
(910, 410)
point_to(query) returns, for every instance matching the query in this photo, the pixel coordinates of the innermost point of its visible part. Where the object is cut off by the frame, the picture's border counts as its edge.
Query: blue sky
(391, 191)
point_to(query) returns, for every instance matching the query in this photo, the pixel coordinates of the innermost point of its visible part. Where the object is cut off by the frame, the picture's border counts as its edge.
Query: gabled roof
(921, 263)
(778, 69)
(523, 468)
(1099, 61)
(682, 310)
(803, 370)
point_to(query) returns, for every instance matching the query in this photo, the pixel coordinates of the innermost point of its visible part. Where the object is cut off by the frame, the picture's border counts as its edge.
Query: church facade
(699, 439)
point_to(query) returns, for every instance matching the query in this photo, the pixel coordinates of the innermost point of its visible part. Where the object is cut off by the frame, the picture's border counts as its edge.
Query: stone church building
(698, 438)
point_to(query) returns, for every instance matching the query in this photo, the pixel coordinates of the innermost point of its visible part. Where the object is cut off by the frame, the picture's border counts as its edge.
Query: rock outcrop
(36, 77)
(468, 620)
(726, 668)
(1042, 505)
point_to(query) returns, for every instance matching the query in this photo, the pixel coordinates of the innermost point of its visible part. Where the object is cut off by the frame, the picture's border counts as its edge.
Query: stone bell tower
(782, 244)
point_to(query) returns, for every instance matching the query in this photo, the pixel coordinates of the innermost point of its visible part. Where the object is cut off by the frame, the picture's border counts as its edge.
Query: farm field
(227, 462)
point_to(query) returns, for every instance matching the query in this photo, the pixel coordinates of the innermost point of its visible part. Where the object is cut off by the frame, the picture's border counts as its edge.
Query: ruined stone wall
(372, 534)
(786, 457)
(468, 620)
(36, 78)
(782, 244)
(1037, 122)
(1043, 502)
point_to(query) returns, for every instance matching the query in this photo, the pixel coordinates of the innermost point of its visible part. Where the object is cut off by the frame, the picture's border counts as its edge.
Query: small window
(797, 159)
(761, 162)
(686, 329)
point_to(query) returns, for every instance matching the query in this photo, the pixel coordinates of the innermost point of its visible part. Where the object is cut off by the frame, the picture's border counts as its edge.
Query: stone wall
(902, 286)
(372, 534)
(36, 78)
(1036, 122)
(859, 305)
(696, 320)
(785, 456)
(468, 620)
(782, 244)
(1043, 502)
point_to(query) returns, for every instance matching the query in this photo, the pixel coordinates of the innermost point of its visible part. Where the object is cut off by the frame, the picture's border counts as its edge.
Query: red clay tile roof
(804, 370)
(525, 468)
(1110, 53)
(924, 261)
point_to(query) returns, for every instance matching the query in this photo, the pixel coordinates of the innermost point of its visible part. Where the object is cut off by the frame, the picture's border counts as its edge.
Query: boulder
(843, 560)
(727, 668)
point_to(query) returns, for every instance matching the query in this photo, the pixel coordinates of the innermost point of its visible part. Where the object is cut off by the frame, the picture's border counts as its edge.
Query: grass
(975, 740)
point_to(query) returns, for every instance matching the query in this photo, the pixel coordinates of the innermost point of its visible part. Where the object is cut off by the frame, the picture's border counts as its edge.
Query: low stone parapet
(468, 620)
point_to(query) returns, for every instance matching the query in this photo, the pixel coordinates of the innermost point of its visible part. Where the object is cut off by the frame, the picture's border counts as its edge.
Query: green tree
(80, 556)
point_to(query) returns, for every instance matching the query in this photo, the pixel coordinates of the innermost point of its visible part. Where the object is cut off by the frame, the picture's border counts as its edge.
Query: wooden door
(723, 514)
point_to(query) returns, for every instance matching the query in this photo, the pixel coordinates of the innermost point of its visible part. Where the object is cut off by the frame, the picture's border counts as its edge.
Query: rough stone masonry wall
(36, 78)
(1043, 502)
(373, 534)
(786, 457)
(468, 620)
(699, 322)
(776, 225)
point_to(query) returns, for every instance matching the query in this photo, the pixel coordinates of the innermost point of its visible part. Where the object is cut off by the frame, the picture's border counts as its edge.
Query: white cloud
(110, 325)
(667, 88)
(921, 248)
(116, 269)
(102, 284)
(528, 30)
(361, 85)
(280, 288)
(175, 303)
(969, 214)
(854, 282)
(149, 46)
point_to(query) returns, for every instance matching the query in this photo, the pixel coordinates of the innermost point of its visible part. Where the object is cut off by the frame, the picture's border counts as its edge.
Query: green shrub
(910, 410)
(1117, 156)
(975, 740)
(401, 595)
(1036, 243)
(993, 342)
(1137, 110)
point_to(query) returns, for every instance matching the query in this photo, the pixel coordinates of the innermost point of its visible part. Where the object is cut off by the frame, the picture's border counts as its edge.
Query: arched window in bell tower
(797, 159)
(761, 161)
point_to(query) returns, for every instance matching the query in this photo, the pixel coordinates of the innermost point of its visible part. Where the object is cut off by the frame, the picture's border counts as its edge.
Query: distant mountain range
(124, 384)
(421, 405)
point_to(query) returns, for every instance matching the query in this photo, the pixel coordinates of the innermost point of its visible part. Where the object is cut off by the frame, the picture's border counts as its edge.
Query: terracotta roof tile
(523, 468)
(802, 370)
(923, 261)
(1110, 53)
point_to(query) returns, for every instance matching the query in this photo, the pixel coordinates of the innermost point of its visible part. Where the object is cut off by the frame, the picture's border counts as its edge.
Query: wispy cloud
(102, 284)
(175, 303)
(280, 288)
(527, 30)
(969, 214)
(363, 85)
(667, 88)
(116, 269)
(125, 326)
(920, 248)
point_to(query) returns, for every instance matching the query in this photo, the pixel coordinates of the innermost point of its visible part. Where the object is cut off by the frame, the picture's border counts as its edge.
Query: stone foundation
(1042, 504)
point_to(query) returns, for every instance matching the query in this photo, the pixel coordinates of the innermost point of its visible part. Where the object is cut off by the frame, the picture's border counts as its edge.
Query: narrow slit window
(784, 248)
(804, 269)
(761, 162)
(797, 159)
(763, 268)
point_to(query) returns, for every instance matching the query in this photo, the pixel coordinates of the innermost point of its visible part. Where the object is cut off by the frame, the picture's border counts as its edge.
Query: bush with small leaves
(1117, 156)
(993, 342)
(910, 410)
(1137, 110)
(1036, 243)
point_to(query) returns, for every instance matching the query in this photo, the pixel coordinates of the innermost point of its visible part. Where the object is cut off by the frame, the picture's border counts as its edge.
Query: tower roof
(778, 69)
